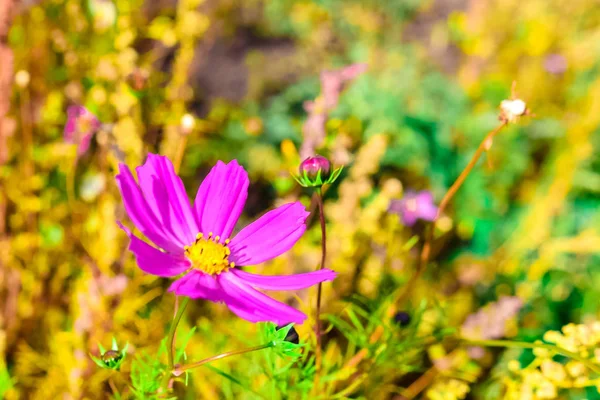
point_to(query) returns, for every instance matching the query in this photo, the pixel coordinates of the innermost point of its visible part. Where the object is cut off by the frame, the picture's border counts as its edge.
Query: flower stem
(181, 144)
(173, 330)
(426, 250)
(527, 345)
(180, 369)
(171, 341)
(319, 195)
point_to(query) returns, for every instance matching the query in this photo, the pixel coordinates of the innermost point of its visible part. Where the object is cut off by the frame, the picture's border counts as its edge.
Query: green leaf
(6, 382)
(233, 379)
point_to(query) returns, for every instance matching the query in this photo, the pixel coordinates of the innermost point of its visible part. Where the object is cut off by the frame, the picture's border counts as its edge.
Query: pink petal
(142, 215)
(286, 282)
(427, 212)
(166, 197)
(69, 132)
(426, 208)
(409, 217)
(221, 198)
(198, 285)
(424, 197)
(395, 206)
(154, 261)
(269, 236)
(255, 306)
(84, 144)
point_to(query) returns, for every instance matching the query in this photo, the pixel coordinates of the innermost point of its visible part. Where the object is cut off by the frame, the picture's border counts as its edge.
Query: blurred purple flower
(490, 322)
(195, 239)
(333, 82)
(80, 128)
(414, 206)
(555, 64)
(332, 85)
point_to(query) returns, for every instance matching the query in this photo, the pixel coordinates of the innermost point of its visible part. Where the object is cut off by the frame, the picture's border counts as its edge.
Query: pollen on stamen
(232, 264)
(227, 241)
(208, 255)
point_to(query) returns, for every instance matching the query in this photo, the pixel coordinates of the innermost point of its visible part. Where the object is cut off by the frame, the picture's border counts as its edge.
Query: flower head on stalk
(514, 108)
(316, 171)
(414, 206)
(80, 128)
(194, 241)
(113, 358)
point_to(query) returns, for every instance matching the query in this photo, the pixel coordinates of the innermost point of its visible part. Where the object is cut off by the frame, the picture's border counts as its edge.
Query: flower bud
(316, 171)
(111, 359)
(402, 318)
(292, 336)
(511, 110)
(312, 166)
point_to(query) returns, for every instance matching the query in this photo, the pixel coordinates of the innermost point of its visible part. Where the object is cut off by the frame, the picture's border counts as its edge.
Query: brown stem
(113, 387)
(180, 152)
(426, 250)
(180, 369)
(318, 352)
(420, 384)
(311, 209)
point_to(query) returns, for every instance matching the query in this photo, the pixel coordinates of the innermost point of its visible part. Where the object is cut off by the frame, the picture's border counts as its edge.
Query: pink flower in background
(414, 206)
(333, 82)
(80, 128)
(195, 240)
(555, 64)
(490, 322)
(332, 85)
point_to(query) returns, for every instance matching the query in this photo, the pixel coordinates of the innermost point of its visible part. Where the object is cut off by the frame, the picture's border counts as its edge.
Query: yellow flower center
(208, 255)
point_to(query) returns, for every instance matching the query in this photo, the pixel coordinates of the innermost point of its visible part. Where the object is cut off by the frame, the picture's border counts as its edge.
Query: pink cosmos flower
(414, 206)
(80, 128)
(194, 241)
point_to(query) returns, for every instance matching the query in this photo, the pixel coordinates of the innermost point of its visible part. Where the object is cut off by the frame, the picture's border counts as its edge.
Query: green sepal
(305, 181)
(113, 363)
(276, 337)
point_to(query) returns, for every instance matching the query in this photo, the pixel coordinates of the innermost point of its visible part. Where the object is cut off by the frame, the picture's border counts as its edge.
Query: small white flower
(188, 122)
(513, 109)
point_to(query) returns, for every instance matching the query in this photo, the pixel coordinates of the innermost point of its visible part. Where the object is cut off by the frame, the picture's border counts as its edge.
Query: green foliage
(6, 382)
(147, 370)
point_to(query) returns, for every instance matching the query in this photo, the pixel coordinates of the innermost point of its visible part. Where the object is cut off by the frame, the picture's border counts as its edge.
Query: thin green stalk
(171, 341)
(180, 369)
(319, 194)
(528, 345)
(173, 329)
